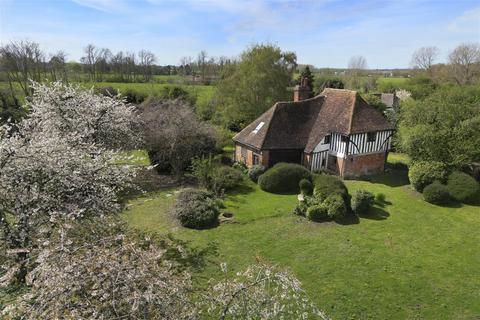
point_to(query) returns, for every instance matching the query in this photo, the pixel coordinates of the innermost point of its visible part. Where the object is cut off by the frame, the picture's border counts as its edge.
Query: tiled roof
(303, 124)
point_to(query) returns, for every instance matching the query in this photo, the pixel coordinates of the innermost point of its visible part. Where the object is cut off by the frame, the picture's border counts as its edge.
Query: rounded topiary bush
(423, 173)
(436, 193)
(362, 200)
(462, 187)
(317, 213)
(197, 209)
(255, 172)
(336, 208)
(325, 185)
(306, 187)
(283, 178)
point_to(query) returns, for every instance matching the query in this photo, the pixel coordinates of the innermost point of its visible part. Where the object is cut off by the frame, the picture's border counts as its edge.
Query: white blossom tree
(60, 162)
(262, 291)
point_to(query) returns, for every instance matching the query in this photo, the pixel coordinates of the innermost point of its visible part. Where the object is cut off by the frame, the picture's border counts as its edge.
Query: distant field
(203, 93)
(394, 81)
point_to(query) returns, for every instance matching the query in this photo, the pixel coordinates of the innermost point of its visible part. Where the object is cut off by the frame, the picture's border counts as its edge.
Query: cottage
(336, 131)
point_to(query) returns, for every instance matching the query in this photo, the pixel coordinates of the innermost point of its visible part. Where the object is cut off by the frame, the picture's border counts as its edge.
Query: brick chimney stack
(301, 91)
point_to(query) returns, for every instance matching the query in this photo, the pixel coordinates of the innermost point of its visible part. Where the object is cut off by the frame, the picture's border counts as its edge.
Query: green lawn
(392, 80)
(409, 259)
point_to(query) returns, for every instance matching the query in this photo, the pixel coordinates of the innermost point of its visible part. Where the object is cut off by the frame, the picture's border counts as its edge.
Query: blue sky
(324, 33)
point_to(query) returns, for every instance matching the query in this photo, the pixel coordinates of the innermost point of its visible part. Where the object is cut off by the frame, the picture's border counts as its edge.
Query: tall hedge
(284, 178)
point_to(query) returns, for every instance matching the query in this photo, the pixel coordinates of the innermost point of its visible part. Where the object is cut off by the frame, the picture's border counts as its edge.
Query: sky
(324, 33)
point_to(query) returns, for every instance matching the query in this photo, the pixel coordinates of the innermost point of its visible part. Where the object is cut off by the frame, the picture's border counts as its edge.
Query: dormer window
(326, 139)
(371, 136)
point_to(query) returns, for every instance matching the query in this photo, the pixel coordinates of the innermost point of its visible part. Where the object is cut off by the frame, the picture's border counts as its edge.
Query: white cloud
(104, 5)
(469, 21)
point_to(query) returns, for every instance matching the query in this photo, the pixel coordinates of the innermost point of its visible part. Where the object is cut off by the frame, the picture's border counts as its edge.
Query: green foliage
(325, 185)
(225, 178)
(307, 73)
(362, 200)
(214, 177)
(375, 102)
(336, 206)
(323, 82)
(380, 198)
(240, 166)
(10, 107)
(197, 209)
(301, 208)
(252, 86)
(423, 173)
(317, 213)
(462, 187)
(443, 127)
(255, 172)
(436, 193)
(306, 187)
(283, 178)
(134, 96)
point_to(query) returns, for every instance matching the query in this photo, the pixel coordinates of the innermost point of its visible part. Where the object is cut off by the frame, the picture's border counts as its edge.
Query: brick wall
(367, 164)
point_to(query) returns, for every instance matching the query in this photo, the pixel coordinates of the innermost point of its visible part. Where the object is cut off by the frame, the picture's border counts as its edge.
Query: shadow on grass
(349, 219)
(242, 189)
(375, 213)
(391, 178)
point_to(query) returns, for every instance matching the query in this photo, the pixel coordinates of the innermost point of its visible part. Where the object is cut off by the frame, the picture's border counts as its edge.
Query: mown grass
(406, 259)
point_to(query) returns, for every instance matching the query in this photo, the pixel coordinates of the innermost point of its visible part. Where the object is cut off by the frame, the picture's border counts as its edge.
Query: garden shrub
(133, 96)
(325, 185)
(336, 208)
(255, 172)
(306, 187)
(380, 198)
(317, 213)
(423, 173)
(362, 200)
(462, 187)
(197, 209)
(224, 179)
(240, 166)
(436, 193)
(215, 177)
(283, 178)
(302, 206)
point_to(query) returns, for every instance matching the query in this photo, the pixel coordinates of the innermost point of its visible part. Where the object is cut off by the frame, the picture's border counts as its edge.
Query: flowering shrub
(60, 162)
(260, 292)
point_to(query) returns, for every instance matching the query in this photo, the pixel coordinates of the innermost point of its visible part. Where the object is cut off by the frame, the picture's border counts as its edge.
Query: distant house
(335, 130)
(390, 99)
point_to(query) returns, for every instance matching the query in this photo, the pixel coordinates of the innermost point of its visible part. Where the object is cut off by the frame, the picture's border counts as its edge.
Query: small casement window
(371, 136)
(344, 138)
(256, 159)
(327, 139)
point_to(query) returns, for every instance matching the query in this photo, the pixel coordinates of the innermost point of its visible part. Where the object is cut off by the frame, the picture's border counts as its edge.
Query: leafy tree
(375, 102)
(443, 127)
(252, 86)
